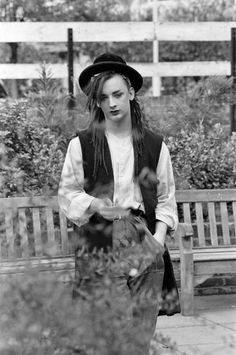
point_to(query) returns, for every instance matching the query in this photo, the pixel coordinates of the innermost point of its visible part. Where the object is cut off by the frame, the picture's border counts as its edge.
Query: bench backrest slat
(37, 232)
(234, 214)
(186, 210)
(200, 225)
(50, 225)
(23, 233)
(225, 222)
(212, 222)
(64, 233)
(9, 233)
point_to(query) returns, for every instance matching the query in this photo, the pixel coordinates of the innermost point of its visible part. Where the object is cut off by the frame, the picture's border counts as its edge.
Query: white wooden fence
(118, 32)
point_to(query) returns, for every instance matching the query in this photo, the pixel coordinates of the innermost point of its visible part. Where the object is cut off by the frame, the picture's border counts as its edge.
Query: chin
(116, 118)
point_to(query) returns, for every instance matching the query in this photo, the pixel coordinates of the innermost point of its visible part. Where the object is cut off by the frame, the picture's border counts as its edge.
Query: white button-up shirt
(75, 202)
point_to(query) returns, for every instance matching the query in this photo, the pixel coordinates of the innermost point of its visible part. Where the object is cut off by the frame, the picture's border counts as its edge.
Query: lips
(115, 112)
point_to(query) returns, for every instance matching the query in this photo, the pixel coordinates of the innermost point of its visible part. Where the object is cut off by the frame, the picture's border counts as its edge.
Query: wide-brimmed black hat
(107, 62)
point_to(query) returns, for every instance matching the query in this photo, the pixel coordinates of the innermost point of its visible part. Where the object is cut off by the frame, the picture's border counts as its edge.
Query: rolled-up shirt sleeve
(166, 210)
(72, 198)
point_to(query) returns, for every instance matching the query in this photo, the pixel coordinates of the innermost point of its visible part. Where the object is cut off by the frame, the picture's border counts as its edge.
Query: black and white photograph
(118, 177)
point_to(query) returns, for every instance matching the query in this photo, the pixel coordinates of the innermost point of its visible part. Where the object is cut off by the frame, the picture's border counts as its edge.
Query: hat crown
(109, 57)
(109, 62)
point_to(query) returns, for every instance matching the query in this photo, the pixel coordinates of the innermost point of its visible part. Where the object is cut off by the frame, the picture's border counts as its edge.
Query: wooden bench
(34, 230)
(212, 214)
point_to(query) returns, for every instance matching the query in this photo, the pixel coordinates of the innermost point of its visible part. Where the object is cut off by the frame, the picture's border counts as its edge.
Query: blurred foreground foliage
(39, 316)
(35, 133)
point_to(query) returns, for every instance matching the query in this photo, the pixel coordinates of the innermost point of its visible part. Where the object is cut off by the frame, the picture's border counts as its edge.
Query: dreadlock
(97, 122)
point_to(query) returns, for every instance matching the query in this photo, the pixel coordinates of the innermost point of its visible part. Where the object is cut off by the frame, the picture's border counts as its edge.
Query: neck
(119, 129)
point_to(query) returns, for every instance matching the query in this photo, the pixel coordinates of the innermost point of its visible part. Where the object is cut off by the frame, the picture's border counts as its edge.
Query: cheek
(103, 106)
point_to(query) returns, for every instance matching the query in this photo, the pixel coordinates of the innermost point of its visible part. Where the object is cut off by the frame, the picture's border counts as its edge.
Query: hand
(152, 244)
(98, 203)
(105, 208)
(113, 212)
(160, 234)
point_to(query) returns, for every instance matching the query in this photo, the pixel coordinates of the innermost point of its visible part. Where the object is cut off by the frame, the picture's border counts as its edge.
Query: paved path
(211, 331)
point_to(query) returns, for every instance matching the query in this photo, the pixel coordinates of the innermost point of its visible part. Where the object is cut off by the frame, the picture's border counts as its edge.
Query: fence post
(233, 74)
(70, 59)
(156, 80)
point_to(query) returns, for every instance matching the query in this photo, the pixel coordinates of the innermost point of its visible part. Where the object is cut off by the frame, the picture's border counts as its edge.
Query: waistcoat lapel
(103, 184)
(147, 165)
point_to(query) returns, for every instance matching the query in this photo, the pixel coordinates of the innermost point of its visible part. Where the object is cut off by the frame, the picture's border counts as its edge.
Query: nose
(112, 101)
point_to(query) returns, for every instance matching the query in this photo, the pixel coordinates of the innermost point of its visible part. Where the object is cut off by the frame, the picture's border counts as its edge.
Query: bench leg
(186, 272)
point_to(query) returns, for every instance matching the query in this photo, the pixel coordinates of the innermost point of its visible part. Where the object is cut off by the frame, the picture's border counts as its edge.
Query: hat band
(125, 77)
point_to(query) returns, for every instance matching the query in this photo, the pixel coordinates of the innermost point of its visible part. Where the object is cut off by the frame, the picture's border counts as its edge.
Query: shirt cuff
(172, 223)
(78, 210)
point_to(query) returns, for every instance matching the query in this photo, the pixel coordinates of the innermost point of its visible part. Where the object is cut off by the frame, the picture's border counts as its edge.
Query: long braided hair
(97, 121)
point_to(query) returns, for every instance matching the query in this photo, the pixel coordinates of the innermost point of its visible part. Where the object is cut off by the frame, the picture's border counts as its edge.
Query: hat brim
(135, 78)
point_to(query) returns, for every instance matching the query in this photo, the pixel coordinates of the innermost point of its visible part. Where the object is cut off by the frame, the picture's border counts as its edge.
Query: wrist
(159, 238)
(160, 233)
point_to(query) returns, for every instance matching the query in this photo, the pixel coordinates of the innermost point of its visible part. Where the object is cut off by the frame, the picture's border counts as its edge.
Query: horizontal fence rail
(115, 31)
(162, 69)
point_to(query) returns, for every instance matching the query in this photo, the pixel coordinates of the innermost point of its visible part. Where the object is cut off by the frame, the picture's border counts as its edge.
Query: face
(115, 100)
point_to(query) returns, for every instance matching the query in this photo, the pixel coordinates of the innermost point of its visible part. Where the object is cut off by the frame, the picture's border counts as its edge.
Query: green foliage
(34, 137)
(35, 133)
(197, 129)
(208, 102)
(204, 160)
(65, 10)
(47, 101)
(32, 155)
(202, 10)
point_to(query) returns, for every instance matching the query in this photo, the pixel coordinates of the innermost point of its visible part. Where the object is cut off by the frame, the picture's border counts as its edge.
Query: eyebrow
(114, 92)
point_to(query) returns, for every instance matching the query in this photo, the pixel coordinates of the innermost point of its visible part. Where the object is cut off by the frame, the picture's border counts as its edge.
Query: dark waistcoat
(104, 184)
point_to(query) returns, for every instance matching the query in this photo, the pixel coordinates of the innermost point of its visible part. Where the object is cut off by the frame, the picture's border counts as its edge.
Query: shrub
(31, 155)
(204, 160)
(35, 133)
(207, 102)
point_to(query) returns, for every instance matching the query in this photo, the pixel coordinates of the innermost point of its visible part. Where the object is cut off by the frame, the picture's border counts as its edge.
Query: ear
(131, 93)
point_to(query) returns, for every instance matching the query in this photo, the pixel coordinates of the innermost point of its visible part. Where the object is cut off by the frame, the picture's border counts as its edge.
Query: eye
(118, 94)
(103, 97)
